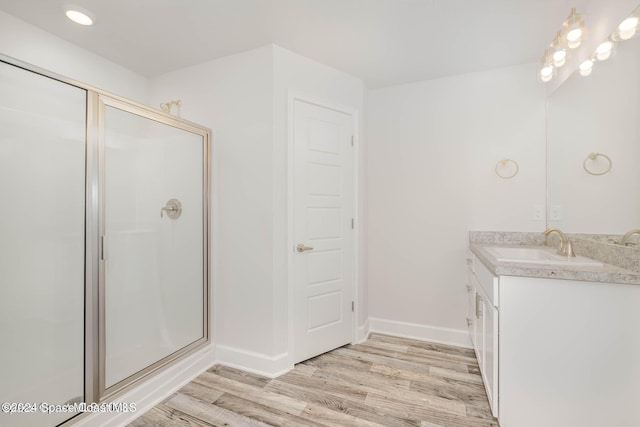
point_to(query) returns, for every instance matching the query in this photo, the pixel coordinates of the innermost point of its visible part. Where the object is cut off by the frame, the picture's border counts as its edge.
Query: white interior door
(324, 200)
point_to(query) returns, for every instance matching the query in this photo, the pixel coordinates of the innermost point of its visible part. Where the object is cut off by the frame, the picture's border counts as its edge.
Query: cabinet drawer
(488, 282)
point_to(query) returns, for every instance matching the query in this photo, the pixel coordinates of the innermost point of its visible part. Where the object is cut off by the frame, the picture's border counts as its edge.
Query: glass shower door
(154, 250)
(42, 236)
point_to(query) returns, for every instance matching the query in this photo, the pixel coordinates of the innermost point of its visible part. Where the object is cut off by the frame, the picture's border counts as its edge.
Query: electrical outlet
(537, 213)
(555, 213)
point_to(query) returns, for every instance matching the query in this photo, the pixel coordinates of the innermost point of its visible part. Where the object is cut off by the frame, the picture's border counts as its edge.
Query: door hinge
(353, 306)
(353, 223)
(352, 140)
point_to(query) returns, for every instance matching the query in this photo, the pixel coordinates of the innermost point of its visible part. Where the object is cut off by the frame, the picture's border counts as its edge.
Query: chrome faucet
(626, 238)
(565, 248)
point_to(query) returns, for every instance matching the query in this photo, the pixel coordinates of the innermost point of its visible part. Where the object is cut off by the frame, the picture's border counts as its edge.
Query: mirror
(593, 124)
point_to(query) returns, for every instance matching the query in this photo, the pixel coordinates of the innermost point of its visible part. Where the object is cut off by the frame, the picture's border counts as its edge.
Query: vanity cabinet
(569, 353)
(482, 319)
(557, 352)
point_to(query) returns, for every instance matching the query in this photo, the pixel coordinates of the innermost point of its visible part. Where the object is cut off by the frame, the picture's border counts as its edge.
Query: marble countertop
(607, 273)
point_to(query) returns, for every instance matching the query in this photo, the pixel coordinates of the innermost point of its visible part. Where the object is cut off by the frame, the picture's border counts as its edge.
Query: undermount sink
(538, 256)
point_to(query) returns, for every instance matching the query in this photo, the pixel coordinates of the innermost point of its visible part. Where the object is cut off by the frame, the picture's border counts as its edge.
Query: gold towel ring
(593, 157)
(503, 163)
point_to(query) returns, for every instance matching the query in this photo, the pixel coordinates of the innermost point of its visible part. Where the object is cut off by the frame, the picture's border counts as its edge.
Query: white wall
(30, 44)
(432, 150)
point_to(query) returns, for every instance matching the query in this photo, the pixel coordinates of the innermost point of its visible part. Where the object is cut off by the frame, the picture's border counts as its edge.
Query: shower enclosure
(104, 243)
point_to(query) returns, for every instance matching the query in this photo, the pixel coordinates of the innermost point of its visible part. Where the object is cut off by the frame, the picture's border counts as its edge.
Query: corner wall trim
(362, 332)
(257, 363)
(455, 337)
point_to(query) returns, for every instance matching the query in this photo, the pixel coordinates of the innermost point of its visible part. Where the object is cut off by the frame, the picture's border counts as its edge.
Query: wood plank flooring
(385, 381)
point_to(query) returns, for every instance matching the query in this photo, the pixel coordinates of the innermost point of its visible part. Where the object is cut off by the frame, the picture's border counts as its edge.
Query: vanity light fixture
(573, 29)
(79, 15)
(569, 37)
(626, 30)
(586, 68)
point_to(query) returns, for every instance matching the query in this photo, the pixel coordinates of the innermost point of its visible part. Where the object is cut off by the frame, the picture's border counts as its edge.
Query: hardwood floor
(386, 381)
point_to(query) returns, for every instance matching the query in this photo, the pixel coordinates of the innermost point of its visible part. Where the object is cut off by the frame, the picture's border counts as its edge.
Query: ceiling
(383, 42)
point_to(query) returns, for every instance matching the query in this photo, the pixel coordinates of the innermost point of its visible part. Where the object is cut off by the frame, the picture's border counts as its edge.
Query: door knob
(301, 247)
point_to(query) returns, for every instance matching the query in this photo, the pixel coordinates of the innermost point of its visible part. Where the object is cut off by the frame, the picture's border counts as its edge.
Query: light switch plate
(537, 213)
(555, 213)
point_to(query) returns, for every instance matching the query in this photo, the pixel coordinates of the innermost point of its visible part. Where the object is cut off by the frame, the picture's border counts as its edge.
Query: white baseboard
(153, 390)
(455, 337)
(257, 363)
(362, 333)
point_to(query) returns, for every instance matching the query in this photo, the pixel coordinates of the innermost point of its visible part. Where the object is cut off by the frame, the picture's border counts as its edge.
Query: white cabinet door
(489, 366)
(486, 344)
(569, 353)
(471, 307)
(479, 327)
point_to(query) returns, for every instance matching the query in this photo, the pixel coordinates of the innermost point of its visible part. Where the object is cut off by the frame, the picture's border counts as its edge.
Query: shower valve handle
(173, 208)
(168, 209)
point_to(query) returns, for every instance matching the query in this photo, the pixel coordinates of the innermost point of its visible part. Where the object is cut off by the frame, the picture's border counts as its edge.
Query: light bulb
(79, 17)
(603, 51)
(558, 54)
(574, 35)
(574, 29)
(586, 67)
(546, 73)
(628, 28)
(559, 57)
(629, 24)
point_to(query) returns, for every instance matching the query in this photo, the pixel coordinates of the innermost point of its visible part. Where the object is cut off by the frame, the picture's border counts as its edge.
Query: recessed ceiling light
(79, 17)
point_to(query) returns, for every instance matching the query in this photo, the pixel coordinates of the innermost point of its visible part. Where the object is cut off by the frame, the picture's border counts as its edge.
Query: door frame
(294, 96)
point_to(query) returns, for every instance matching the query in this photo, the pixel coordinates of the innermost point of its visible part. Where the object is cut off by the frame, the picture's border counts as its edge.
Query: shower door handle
(103, 248)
